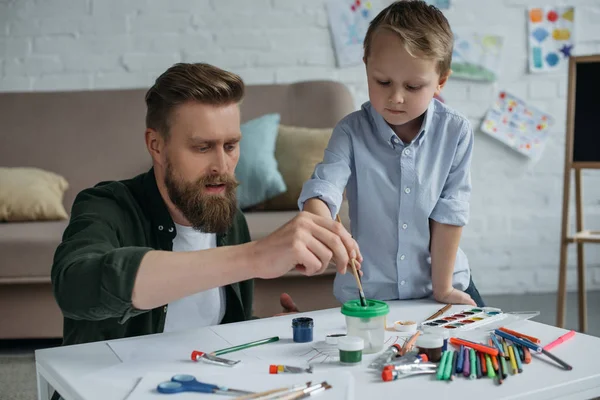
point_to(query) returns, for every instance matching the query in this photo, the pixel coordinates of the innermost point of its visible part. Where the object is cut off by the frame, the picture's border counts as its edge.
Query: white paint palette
(466, 320)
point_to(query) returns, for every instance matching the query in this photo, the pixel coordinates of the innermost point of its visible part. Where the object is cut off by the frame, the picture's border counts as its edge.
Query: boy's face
(400, 85)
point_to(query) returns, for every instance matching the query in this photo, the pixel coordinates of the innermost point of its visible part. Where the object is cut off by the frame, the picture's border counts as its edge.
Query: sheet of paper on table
(342, 383)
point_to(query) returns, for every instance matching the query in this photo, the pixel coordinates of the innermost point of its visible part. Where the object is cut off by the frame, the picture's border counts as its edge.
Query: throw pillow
(257, 171)
(31, 194)
(298, 150)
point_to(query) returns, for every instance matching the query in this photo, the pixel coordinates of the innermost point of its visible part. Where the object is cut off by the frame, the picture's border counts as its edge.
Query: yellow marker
(513, 362)
(505, 347)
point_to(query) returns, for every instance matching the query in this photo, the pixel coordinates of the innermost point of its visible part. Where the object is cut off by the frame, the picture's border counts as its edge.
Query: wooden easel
(582, 151)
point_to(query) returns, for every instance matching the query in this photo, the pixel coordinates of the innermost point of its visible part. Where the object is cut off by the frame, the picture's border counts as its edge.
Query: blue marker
(459, 365)
(514, 339)
(497, 344)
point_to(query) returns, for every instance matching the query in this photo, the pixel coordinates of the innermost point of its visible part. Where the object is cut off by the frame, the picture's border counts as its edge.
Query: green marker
(504, 368)
(442, 367)
(490, 367)
(245, 346)
(448, 370)
(473, 364)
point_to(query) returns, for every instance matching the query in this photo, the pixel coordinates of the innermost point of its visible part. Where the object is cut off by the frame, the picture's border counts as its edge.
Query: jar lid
(438, 331)
(374, 308)
(351, 343)
(429, 341)
(303, 322)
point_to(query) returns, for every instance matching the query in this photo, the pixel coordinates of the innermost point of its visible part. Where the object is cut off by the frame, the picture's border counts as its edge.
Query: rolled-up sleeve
(452, 208)
(331, 175)
(93, 273)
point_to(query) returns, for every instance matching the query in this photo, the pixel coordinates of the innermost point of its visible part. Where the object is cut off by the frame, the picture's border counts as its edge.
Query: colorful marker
(513, 362)
(467, 363)
(460, 362)
(489, 366)
(454, 364)
(442, 367)
(523, 342)
(518, 360)
(473, 363)
(560, 340)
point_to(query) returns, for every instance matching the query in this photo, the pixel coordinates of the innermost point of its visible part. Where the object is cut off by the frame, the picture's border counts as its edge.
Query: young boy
(404, 161)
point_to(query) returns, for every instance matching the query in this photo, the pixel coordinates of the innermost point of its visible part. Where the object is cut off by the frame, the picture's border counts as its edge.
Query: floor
(17, 368)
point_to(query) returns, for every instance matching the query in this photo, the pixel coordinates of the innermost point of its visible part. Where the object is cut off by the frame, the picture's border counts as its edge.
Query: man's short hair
(183, 82)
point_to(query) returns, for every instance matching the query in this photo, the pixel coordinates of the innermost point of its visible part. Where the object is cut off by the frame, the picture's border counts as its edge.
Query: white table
(93, 371)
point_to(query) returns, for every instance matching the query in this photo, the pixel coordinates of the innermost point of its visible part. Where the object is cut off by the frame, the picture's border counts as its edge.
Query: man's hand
(289, 307)
(308, 243)
(454, 296)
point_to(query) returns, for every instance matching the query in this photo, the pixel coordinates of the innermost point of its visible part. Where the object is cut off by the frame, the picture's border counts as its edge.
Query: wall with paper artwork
(509, 79)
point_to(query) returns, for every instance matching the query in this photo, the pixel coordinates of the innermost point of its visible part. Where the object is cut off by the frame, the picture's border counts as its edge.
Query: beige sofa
(91, 136)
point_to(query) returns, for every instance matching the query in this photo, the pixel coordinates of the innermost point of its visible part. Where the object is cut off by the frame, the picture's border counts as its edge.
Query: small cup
(430, 345)
(351, 349)
(303, 329)
(367, 323)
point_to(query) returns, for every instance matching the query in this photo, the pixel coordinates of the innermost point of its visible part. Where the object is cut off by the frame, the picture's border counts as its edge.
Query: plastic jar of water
(367, 322)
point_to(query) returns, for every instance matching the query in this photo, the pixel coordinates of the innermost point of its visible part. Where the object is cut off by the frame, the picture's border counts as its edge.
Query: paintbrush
(274, 393)
(363, 300)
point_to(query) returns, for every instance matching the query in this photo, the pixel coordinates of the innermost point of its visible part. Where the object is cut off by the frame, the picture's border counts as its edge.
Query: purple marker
(466, 365)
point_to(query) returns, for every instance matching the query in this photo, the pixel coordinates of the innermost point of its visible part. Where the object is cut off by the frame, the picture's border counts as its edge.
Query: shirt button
(404, 226)
(165, 309)
(160, 228)
(171, 229)
(407, 190)
(403, 283)
(395, 139)
(406, 152)
(402, 257)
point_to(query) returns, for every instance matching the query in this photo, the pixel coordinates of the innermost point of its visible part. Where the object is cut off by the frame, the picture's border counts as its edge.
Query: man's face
(400, 85)
(201, 155)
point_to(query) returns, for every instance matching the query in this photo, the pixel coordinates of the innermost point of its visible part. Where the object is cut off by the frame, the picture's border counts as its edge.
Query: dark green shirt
(113, 225)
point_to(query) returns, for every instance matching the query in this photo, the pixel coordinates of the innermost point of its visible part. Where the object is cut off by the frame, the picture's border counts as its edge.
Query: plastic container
(444, 333)
(351, 349)
(367, 323)
(303, 329)
(430, 345)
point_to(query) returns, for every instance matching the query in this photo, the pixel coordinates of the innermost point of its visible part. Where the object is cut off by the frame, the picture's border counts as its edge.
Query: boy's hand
(454, 296)
(288, 305)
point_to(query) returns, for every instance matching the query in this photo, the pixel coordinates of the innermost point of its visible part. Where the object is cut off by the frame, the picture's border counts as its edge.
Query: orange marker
(475, 346)
(520, 335)
(483, 363)
(527, 355)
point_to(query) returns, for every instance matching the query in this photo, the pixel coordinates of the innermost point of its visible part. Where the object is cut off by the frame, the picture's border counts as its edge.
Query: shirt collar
(388, 134)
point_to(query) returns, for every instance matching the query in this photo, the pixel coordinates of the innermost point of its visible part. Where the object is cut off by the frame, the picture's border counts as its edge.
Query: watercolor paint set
(467, 319)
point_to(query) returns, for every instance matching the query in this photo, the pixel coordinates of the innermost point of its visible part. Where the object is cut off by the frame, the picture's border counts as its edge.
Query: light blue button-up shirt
(393, 190)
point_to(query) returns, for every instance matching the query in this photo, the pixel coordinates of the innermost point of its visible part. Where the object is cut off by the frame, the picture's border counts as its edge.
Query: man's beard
(210, 213)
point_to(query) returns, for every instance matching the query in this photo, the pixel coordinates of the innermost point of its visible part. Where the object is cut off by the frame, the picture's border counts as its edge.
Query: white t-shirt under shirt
(203, 308)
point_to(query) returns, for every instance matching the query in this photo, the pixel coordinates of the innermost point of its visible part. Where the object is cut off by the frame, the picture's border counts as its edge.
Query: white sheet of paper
(342, 384)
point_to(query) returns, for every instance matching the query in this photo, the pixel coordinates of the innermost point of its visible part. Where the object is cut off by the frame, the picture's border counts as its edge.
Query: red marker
(558, 341)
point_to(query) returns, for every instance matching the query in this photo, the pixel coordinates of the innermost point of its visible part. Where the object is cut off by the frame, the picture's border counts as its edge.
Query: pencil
(439, 312)
(409, 343)
(245, 346)
(361, 293)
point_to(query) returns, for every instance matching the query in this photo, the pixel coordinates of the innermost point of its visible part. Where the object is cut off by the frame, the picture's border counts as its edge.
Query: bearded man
(169, 249)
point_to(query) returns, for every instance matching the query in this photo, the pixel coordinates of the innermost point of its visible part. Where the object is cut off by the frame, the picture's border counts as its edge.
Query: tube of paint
(408, 370)
(407, 360)
(386, 356)
(202, 356)
(280, 369)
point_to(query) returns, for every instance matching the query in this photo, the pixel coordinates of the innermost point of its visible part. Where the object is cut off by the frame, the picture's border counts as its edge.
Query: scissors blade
(231, 392)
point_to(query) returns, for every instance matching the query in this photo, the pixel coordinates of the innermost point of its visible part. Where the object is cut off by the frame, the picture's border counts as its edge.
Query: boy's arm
(322, 194)
(448, 217)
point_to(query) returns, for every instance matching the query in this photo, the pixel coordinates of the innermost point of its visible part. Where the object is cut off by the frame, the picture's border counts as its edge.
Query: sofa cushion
(31, 194)
(298, 150)
(257, 170)
(27, 248)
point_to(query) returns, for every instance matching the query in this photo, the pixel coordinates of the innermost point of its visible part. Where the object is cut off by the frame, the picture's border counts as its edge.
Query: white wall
(512, 240)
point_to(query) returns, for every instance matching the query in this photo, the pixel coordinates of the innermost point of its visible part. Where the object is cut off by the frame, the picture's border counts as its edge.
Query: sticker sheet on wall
(441, 4)
(476, 56)
(348, 23)
(518, 124)
(551, 38)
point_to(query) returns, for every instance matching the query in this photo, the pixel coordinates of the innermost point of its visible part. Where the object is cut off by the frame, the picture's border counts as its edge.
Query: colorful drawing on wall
(476, 56)
(517, 124)
(551, 38)
(441, 4)
(348, 22)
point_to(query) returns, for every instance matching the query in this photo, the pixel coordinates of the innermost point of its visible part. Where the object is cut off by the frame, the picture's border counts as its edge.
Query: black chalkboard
(586, 137)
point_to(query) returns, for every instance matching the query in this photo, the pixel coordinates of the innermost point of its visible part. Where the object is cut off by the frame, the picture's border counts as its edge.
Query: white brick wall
(512, 240)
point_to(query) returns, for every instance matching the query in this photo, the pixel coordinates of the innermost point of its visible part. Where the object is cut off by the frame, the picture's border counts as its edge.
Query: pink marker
(558, 341)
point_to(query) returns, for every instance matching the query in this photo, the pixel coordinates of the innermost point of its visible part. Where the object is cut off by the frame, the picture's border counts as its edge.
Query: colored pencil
(439, 312)
(524, 342)
(460, 362)
(245, 346)
(477, 346)
(518, 360)
(409, 343)
(497, 344)
(520, 335)
(560, 340)
(473, 363)
(513, 362)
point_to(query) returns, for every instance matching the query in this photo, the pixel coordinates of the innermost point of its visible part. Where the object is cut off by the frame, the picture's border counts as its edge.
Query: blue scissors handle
(188, 383)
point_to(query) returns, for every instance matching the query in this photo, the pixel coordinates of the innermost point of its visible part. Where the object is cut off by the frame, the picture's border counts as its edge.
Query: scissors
(188, 383)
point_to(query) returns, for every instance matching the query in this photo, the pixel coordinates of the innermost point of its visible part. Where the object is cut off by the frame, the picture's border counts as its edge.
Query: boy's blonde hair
(423, 28)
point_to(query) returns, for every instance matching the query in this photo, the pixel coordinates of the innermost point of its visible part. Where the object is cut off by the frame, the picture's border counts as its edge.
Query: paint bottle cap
(429, 341)
(303, 322)
(333, 339)
(423, 357)
(351, 343)
(387, 375)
